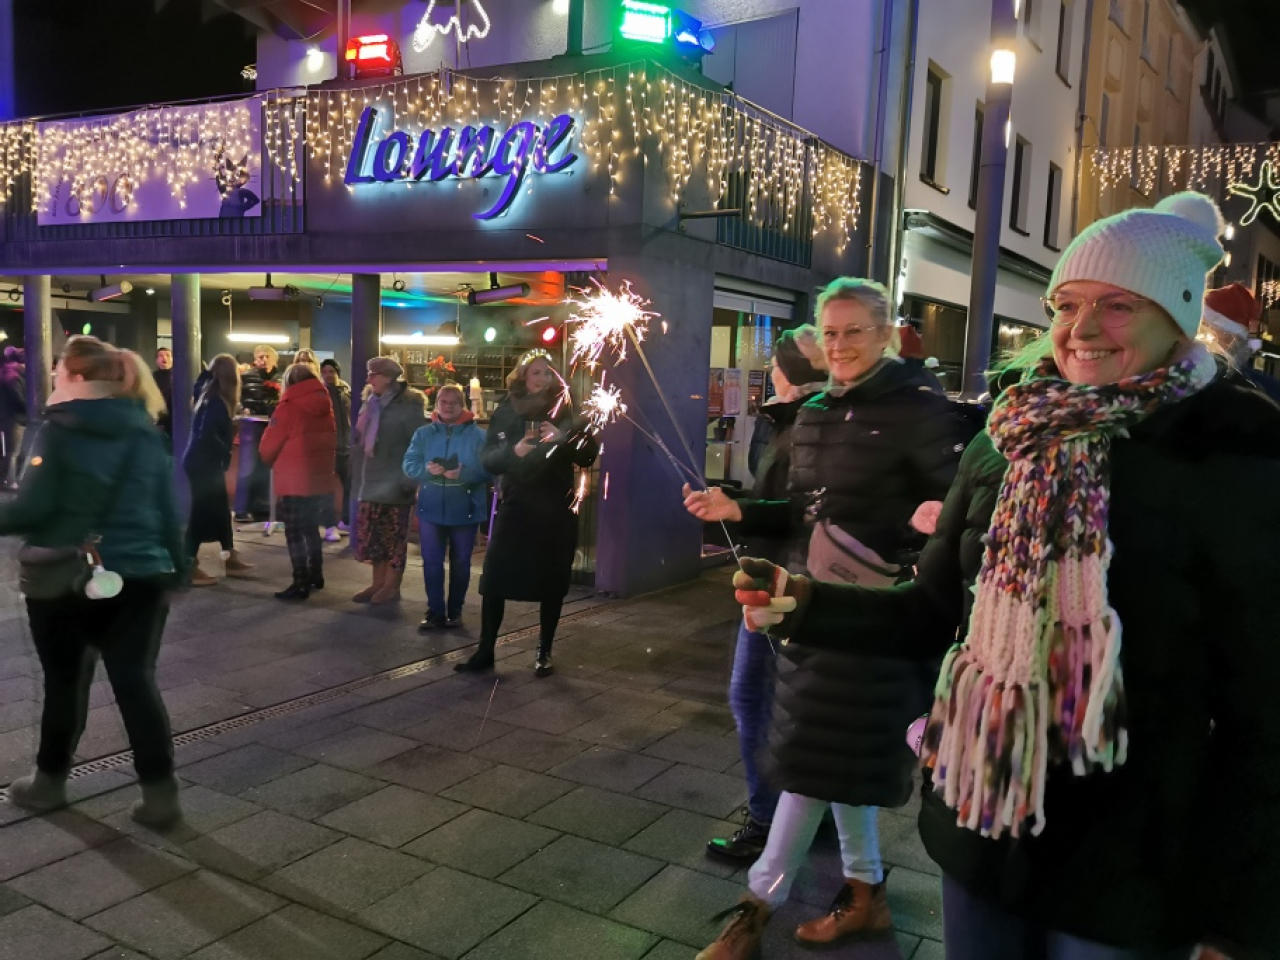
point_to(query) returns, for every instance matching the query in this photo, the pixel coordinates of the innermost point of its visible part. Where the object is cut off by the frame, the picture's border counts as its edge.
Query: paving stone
(447, 912)
(670, 950)
(392, 715)
(705, 716)
(553, 932)
(294, 933)
(259, 845)
(636, 704)
(482, 843)
(358, 748)
(779, 941)
(118, 953)
(181, 917)
(393, 816)
(929, 950)
(550, 716)
(203, 811)
(598, 815)
(38, 841)
(457, 731)
(97, 879)
(346, 877)
(680, 837)
(610, 769)
(582, 873)
(916, 901)
(487, 699)
(296, 737)
(238, 770)
(508, 790)
(679, 904)
(430, 769)
(35, 932)
(312, 792)
(531, 750)
(698, 748)
(909, 946)
(11, 900)
(900, 844)
(691, 788)
(401, 951)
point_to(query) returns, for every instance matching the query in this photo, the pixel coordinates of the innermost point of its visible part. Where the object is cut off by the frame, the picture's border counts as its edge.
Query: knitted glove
(772, 600)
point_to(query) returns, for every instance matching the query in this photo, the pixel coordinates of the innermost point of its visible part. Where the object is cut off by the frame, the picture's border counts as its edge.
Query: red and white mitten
(771, 598)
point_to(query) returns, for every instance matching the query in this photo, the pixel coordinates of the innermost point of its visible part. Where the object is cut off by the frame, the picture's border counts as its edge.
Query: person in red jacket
(298, 445)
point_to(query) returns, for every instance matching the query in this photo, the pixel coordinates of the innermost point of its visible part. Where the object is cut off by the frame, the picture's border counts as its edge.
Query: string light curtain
(703, 137)
(1208, 168)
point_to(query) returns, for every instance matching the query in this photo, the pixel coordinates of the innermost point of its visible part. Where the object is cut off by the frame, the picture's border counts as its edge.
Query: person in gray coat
(390, 414)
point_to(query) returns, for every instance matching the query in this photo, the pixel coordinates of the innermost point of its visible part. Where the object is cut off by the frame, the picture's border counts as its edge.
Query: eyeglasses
(1113, 310)
(851, 334)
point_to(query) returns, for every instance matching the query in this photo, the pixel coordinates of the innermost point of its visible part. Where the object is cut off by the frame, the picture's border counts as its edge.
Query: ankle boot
(740, 939)
(38, 791)
(379, 574)
(390, 590)
(201, 579)
(860, 912)
(159, 806)
(480, 661)
(237, 567)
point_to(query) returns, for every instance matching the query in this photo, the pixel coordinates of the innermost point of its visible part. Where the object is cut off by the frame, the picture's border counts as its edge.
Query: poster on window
(200, 162)
(732, 392)
(715, 393)
(755, 390)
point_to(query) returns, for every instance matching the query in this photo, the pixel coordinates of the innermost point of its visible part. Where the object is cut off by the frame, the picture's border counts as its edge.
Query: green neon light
(646, 22)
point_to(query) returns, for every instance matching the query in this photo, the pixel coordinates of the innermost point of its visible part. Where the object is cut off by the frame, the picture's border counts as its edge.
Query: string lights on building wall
(1212, 167)
(707, 141)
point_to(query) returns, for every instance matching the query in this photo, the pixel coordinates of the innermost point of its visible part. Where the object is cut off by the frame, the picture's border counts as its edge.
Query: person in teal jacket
(101, 467)
(444, 457)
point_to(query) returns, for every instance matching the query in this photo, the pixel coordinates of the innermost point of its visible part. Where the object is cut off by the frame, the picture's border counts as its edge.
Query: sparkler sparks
(581, 493)
(604, 406)
(604, 320)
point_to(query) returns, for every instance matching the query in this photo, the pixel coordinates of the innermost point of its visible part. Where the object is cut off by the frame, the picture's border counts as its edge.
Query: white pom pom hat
(1163, 254)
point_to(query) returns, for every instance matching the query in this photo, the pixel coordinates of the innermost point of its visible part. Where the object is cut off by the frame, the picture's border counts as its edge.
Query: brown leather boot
(740, 939)
(389, 592)
(860, 912)
(237, 566)
(379, 574)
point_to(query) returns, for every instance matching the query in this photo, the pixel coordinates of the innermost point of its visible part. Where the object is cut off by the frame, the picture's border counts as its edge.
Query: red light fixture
(549, 335)
(373, 55)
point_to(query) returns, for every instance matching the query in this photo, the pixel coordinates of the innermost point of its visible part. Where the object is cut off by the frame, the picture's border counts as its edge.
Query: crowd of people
(1051, 620)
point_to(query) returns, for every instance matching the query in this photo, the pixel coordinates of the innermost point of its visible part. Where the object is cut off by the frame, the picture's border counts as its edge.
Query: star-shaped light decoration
(1263, 195)
(426, 31)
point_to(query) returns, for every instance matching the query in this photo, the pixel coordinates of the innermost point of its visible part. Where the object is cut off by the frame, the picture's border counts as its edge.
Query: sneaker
(740, 939)
(860, 912)
(542, 667)
(297, 591)
(453, 621)
(743, 847)
(39, 792)
(159, 806)
(331, 535)
(432, 621)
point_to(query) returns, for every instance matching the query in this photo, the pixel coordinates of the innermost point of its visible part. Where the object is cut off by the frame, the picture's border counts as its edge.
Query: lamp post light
(990, 201)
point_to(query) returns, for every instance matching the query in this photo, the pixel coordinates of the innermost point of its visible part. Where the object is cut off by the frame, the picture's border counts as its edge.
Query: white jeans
(791, 834)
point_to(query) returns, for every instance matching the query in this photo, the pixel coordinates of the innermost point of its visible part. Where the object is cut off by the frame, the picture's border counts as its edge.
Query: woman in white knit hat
(1102, 776)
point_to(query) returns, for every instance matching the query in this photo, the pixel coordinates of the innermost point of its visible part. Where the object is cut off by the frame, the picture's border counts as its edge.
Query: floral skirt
(382, 533)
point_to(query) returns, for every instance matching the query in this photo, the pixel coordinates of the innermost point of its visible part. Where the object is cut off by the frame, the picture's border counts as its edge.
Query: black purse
(50, 573)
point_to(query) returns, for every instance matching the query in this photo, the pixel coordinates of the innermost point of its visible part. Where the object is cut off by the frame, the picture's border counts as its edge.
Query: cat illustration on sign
(231, 177)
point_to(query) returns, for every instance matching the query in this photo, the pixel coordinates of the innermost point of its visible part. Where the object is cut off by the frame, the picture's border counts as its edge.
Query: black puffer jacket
(878, 451)
(772, 475)
(866, 459)
(1183, 841)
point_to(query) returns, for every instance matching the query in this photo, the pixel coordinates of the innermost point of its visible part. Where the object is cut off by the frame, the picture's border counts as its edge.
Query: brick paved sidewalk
(395, 821)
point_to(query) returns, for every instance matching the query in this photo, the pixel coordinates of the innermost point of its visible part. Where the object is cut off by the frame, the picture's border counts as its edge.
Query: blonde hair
(872, 295)
(308, 356)
(92, 359)
(298, 372)
(141, 385)
(224, 381)
(515, 379)
(272, 354)
(452, 387)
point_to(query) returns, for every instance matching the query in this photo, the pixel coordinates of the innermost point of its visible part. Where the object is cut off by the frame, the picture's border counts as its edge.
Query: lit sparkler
(605, 321)
(581, 493)
(604, 406)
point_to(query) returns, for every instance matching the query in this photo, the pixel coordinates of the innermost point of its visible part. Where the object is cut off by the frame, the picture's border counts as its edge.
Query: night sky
(75, 55)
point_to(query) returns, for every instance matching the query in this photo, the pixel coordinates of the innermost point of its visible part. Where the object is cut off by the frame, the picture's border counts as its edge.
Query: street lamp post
(990, 202)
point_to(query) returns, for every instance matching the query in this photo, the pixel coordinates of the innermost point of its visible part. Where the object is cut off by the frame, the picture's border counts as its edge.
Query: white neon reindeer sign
(426, 31)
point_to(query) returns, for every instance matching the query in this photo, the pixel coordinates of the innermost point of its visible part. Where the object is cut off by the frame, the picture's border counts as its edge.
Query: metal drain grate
(313, 699)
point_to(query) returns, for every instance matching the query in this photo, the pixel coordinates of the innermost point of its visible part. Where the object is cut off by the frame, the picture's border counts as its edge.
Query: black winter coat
(1183, 841)
(772, 474)
(881, 449)
(535, 532)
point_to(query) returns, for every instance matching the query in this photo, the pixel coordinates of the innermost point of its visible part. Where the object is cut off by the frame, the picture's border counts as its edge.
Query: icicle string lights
(1208, 167)
(715, 148)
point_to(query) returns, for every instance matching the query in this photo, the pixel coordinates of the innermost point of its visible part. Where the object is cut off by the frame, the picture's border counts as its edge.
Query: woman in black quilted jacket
(865, 453)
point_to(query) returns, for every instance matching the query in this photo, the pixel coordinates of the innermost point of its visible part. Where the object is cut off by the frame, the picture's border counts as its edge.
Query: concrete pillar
(37, 323)
(366, 343)
(8, 87)
(185, 293)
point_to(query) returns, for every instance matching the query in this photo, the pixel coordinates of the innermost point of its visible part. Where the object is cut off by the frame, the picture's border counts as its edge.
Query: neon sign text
(466, 154)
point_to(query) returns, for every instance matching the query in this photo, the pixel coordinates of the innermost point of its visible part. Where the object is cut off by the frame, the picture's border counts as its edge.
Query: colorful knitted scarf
(1038, 681)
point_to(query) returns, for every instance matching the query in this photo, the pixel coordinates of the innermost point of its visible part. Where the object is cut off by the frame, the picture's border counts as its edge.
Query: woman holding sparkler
(533, 444)
(865, 453)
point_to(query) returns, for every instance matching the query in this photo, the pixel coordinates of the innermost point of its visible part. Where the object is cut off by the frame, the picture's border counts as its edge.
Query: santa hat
(1232, 310)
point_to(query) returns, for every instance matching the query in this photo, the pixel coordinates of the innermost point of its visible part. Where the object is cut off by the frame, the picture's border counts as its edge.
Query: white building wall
(834, 80)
